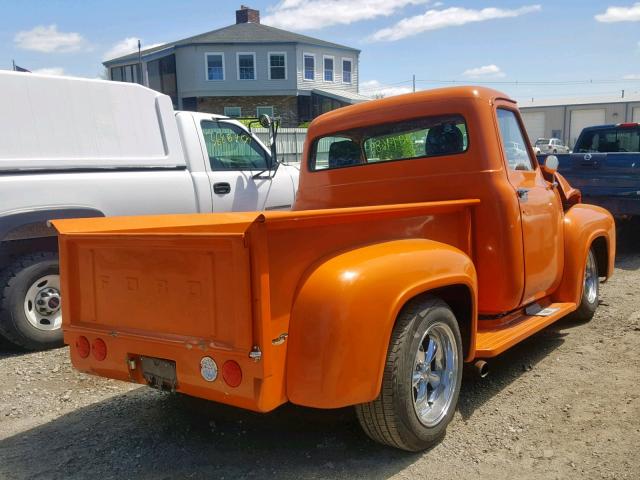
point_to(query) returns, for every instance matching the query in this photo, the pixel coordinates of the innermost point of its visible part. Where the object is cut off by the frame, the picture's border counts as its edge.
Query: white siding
(318, 82)
(636, 114)
(534, 122)
(584, 118)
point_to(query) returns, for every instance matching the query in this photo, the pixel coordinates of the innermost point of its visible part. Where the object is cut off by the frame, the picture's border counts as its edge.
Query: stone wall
(285, 107)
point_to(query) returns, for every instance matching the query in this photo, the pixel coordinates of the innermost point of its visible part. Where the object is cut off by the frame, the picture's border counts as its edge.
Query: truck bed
(178, 288)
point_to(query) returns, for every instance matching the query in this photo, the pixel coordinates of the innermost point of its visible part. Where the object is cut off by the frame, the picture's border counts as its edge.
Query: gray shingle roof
(238, 33)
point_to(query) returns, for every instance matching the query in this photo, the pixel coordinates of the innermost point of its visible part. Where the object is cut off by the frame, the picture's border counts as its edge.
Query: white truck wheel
(30, 315)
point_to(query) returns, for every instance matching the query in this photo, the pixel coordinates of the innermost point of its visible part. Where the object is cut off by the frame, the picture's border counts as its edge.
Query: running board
(492, 339)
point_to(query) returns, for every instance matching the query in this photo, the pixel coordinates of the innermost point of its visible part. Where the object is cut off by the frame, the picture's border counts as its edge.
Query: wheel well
(459, 298)
(600, 251)
(14, 248)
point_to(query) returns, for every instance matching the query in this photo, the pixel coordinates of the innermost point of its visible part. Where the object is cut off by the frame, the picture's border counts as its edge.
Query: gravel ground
(563, 404)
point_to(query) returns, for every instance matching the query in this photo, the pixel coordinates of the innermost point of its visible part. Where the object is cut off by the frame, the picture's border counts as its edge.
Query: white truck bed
(54, 123)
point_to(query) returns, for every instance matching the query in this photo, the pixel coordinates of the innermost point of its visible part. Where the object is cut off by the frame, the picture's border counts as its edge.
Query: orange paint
(314, 293)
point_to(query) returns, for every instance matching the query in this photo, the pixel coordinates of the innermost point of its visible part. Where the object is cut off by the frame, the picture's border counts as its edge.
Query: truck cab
(424, 235)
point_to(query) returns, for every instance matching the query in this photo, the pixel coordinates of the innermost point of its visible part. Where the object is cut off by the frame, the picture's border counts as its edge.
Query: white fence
(289, 142)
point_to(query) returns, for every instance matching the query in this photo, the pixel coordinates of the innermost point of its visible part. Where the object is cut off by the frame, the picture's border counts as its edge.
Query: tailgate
(199, 287)
(180, 279)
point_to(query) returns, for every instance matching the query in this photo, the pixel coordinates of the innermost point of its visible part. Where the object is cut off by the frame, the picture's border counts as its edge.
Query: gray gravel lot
(563, 404)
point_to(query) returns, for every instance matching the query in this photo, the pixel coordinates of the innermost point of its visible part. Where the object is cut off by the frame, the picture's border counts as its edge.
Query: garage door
(534, 122)
(636, 114)
(584, 118)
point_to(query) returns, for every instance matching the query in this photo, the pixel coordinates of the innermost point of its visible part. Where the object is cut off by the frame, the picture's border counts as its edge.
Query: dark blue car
(605, 166)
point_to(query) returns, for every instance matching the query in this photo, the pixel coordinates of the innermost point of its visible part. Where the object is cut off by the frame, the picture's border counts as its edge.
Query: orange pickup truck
(424, 235)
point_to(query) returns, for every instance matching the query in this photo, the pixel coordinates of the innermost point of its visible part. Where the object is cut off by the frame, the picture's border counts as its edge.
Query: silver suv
(550, 145)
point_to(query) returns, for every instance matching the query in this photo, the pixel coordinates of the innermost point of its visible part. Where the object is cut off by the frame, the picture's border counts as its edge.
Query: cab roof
(375, 111)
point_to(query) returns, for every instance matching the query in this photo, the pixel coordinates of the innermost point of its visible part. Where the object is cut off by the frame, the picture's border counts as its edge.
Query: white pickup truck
(74, 147)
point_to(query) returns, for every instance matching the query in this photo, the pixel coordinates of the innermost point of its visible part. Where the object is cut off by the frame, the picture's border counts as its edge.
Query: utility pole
(414, 83)
(13, 62)
(623, 93)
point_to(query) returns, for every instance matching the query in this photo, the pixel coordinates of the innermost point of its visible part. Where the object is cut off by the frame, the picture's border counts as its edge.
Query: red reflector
(232, 373)
(99, 349)
(83, 347)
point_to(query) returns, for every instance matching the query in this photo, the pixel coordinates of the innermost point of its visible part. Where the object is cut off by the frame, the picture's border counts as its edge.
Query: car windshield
(542, 141)
(613, 139)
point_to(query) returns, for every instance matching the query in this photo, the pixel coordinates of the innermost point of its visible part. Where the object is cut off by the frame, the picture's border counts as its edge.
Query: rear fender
(346, 307)
(583, 225)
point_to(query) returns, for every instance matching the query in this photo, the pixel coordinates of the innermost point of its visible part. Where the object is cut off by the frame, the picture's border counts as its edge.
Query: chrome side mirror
(551, 162)
(265, 121)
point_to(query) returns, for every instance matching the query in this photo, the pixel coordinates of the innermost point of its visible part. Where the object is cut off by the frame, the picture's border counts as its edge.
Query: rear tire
(590, 290)
(30, 302)
(421, 379)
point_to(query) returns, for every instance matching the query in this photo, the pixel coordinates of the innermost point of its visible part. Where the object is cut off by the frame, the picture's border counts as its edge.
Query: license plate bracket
(159, 373)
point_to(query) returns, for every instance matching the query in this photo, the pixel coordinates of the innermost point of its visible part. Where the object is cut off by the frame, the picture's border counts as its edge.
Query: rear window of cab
(405, 140)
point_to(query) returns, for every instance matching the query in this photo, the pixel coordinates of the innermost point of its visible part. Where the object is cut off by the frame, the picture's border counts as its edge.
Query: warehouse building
(565, 118)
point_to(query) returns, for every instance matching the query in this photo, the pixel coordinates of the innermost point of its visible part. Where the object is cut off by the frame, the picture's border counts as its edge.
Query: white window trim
(265, 106)
(231, 106)
(286, 76)
(350, 60)
(334, 68)
(206, 67)
(255, 67)
(312, 55)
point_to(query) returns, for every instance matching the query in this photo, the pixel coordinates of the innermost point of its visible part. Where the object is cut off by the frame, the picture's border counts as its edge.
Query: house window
(346, 70)
(215, 66)
(277, 66)
(246, 66)
(233, 111)
(127, 73)
(328, 69)
(265, 111)
(309, 66)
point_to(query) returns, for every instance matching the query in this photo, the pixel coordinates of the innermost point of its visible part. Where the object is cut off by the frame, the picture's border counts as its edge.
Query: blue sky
(543, 45)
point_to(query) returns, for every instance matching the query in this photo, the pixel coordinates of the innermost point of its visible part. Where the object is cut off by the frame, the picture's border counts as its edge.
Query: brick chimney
(247, 15)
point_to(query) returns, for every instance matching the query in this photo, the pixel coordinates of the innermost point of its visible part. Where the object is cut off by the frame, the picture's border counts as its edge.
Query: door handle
(523, 193)
(221, 188)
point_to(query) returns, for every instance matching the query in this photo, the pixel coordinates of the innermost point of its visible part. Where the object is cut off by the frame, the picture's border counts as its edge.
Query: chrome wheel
(591, 278)
(42, 303)
(434, 374)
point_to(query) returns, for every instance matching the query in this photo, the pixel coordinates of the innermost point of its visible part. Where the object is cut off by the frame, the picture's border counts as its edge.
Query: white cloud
(620, 14)
(374, 89)
(449, 17)
(125, 47)
(317, 14)
(49, 71)
(484, 71)
(632, 76)
(48, 39)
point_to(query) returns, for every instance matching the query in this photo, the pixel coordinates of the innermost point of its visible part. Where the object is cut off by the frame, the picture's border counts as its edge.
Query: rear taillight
(82, 346)
(99, 349)
(232, 373)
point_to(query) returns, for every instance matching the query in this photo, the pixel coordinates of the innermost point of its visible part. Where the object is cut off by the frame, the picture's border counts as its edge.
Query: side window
(515, 148)
(336, 152)
(231, 148)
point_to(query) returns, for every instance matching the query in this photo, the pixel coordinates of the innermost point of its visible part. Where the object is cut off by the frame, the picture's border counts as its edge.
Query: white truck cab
(72, 147)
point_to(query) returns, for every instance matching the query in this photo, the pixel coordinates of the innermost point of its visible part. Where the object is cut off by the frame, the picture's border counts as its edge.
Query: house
(247, 69)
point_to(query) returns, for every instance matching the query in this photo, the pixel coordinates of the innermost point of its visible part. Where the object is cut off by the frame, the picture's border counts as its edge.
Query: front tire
(30, 315)
(421, 379)
(590, 290)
